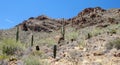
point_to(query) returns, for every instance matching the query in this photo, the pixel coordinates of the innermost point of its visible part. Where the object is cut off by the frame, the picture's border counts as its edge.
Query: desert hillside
(90, 38)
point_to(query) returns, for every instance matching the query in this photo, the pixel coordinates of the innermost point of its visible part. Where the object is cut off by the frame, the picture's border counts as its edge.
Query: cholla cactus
(17, 34)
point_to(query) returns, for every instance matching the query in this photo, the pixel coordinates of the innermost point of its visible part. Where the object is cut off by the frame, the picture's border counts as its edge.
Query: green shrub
(10, 47)
(96, 31)
(35, 60)
(48, 41)
(40, 53)
(82, 43)
(3, 56)
(113, 31)
(72, 35)
(32, 60)
(90, 32)
(113, 44)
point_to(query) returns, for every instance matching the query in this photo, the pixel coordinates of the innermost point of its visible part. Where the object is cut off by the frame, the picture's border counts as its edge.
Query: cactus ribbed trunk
(32, 39)
(54, 51)
(63, 29)
(17, 34)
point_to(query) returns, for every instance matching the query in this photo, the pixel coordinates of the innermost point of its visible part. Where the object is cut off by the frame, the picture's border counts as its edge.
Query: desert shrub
(113, 31)
(47, 41)
(40, 53)
(72, 35)
(89, 32)
(3, 56)
(10, 47)
(96, 31)
(34, 60)
(82, 43)
(113, 44)
(31, 60)
(111, 20)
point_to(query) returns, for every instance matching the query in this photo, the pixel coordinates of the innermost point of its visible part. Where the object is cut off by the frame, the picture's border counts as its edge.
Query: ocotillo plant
(54, 51)
(17, 34)
(63, 29)
(32, 39)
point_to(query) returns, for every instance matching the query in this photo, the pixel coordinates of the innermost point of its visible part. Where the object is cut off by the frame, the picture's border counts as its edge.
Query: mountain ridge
(87, 17)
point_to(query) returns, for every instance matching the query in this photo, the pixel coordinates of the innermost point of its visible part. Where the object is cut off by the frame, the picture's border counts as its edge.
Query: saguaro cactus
(37, 48)
(89, 36)
(32, 39)
(54, 51)
(63, 29)
(17, 34)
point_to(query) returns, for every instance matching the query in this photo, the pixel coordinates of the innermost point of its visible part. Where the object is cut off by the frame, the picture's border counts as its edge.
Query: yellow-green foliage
(90, 32)
(95, 31)
(71, 33)
(113, 44)
(36, 58)
(114, 28)
(10, 47)
(3, 56)
(32, 60)
(47, 41)
(40, 53)
(113, 31)
(82, 43)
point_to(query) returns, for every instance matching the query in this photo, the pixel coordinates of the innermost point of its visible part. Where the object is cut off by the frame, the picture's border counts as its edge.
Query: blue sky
(13, 12)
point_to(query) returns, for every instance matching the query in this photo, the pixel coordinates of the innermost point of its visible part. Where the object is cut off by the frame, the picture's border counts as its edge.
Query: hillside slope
(91, 38)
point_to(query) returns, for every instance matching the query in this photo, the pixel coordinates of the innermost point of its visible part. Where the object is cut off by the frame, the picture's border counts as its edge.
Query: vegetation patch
(47, 41)
(4, 56)
(32, 60)
(11, 47)
(71, 34)
(113, 44)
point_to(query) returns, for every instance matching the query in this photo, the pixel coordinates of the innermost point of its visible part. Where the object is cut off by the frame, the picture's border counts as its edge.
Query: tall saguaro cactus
(17, 34)
(54, 51)
(32, 39)
(63, 29)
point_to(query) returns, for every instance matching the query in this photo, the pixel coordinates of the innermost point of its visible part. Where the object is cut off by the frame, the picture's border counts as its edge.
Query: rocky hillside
(90, 38)
(41, 23)
(88, 17)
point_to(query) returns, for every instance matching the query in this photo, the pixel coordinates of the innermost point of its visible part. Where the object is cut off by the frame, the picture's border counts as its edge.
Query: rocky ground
(91, 38)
